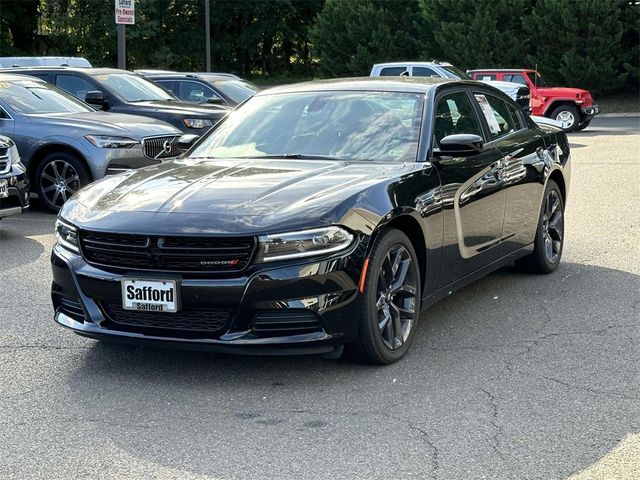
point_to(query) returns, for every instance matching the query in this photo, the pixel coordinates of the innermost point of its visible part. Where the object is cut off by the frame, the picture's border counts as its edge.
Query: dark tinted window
(424, 72)
(518, 122)
(166, 84)
(515, 78)
(195, 91)
(497, 115)
(455, 114)
(392, 71)
(76, 86)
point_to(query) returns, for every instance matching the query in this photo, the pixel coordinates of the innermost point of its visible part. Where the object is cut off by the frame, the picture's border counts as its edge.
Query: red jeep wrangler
(572, 107)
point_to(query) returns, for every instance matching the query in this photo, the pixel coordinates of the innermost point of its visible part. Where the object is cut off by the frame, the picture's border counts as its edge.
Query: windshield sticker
(4, 85)
(102, 77)
(489, 114)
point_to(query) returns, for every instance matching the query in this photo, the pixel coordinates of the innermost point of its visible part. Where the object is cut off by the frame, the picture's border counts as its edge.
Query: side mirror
(216, 101)
(185, 142)
(96, 97)
(460, 145)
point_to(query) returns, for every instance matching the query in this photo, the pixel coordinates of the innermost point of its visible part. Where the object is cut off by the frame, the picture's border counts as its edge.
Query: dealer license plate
(145, 295)
(4, 190)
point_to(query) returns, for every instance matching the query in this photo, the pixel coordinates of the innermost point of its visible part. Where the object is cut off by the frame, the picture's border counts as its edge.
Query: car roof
(86, 70)
(412, 63)
(502, 70)
(12, 77)
(391, 84)
(207, 76)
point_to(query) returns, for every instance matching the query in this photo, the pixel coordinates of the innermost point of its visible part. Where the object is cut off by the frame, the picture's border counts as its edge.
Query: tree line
(589, 43)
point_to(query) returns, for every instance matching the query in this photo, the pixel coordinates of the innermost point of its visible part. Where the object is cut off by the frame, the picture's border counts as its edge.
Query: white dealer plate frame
(168, 307)
(4, 188)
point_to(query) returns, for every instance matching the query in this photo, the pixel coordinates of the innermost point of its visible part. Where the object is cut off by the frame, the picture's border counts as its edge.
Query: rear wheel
(58, 177)
(568, 116)
(390, 302)
(549, 240)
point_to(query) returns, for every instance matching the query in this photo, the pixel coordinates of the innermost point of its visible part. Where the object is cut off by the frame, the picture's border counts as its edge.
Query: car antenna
(535, 78)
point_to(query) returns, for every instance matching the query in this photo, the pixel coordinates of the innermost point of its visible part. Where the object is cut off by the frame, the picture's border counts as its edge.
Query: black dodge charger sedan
(316, 217)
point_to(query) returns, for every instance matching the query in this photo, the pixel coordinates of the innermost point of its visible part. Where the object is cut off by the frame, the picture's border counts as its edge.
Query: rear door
(472, 198)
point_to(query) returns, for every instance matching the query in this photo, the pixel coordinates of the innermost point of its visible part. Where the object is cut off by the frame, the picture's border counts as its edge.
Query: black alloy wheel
(390, 301)
(549, 240)
(58, 177)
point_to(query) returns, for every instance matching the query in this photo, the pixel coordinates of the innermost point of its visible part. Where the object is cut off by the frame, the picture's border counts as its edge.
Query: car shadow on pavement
(18, 247)
(515, 376)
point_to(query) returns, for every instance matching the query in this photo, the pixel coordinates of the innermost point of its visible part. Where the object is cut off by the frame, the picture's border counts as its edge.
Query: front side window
(236, 90)
(454, 114)
(343, 125)
(515, 78)
(497, 115)
(536, 79)
(195, 92)
(424, 72)
(32, 97)
(76, 86)
(132, 88)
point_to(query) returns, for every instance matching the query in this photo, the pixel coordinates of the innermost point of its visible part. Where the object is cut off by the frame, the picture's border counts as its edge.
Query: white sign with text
(125, 12)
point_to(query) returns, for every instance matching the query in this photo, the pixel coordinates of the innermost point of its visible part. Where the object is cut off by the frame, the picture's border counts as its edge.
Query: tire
(568, 116)
(58, 177)
(549, 240)
(582, 126)
(388, 313)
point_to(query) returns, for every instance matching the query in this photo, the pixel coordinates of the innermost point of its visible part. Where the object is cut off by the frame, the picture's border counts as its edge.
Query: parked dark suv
(14, 181)
(210, 88)
(120, 91)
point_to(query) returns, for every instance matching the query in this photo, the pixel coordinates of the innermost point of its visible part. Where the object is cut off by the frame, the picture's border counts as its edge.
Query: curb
(614, 115)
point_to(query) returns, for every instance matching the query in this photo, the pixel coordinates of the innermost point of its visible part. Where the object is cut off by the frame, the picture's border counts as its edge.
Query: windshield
(132, 88)
(343, 125)
(536, 79)
(236, 90)
(32, 97)
(456, 71)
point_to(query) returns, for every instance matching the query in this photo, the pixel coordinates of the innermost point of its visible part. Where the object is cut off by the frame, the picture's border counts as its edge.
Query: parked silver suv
(66, 144)
(520, 93)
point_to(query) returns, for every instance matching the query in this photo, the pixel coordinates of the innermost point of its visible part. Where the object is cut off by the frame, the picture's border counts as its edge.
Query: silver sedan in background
(66, 144)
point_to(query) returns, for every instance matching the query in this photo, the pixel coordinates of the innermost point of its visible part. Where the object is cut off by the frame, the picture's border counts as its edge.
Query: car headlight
(305, 243)
(107, 141)
(14, 156)
(67, 236)
(197, 122)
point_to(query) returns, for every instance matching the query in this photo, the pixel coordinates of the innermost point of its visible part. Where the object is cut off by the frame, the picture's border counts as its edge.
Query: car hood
(227, 196)
(561, 92)
(105, 123)
(182, 108)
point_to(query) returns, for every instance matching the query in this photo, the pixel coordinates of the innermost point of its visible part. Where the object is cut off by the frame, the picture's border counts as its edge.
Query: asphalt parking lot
(516, 376)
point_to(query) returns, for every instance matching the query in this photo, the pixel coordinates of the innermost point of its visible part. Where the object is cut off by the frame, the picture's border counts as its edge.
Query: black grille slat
(184, 254)
(290, 322)
(193, 320)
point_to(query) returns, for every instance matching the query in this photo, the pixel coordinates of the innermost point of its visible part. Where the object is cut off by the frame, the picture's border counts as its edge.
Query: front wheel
(390, 302)
(58, 177)
(549, 240)
(568, 117)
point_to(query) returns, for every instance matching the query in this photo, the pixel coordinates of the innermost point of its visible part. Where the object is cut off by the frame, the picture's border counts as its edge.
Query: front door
(473, 198)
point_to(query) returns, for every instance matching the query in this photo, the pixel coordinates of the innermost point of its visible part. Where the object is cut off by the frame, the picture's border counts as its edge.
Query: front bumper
(18, 189)
(304, 308)
(589, 112)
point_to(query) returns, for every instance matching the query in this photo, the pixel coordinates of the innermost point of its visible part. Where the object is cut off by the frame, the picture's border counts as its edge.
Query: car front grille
(160, 253)
(187, 320)
(5, 161)
(161, 147)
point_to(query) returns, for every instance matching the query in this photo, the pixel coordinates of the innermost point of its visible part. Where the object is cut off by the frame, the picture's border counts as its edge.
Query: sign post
(125, 14)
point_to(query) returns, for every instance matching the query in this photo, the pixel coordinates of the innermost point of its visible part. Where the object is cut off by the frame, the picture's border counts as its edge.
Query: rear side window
(515, 78)
(392, 71)
(455, 114)
(76, 86)
(518, 122)
(167, 85)
(496, 113)
(195, 92)
(424, 72)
